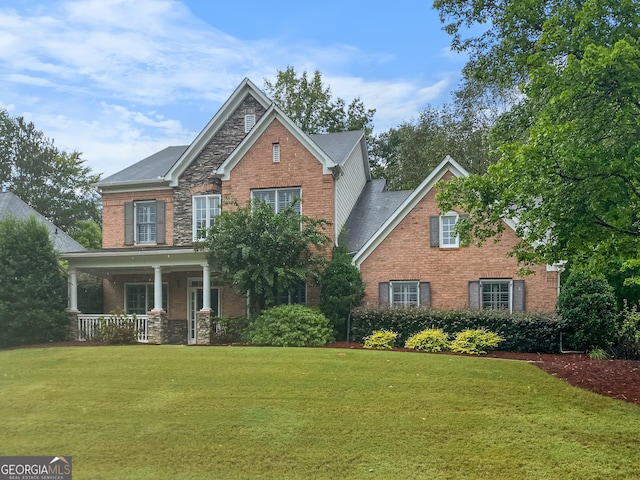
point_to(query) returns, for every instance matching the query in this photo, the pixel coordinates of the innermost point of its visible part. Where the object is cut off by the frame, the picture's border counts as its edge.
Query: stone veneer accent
(203, 321)
(72, 329)
(157, 328)
(177, 332)
(199, 177)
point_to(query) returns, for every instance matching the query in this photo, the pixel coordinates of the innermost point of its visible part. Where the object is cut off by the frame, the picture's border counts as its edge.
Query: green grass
(156, 412)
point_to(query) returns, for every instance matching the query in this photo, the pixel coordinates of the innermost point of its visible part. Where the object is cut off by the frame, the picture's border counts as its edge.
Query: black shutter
(425, 294)
(128, 223)
(434, 231)
(518, 296)
(475, 294)
(383, 293)
(160, 233)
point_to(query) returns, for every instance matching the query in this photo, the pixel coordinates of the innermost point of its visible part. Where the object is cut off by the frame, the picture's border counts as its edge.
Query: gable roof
(11, 204)
(275, 113)
(414, 197)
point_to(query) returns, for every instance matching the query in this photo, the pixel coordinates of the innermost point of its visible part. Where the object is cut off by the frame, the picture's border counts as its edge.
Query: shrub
(627, 341)
(475, 342)
(342, 289)
(522, 332)
(430, 340)
(290, 326)
(380, 340)
(228, 330)
(118, 330)
(589, 307)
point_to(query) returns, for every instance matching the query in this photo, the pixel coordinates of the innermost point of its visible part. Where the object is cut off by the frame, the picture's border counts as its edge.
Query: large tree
(310, 104)
(264, 253)
(570, 147)
(54, 182)
(405, 155)
(33, 289)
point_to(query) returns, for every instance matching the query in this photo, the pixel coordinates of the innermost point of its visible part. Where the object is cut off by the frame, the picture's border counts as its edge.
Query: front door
(194, 306)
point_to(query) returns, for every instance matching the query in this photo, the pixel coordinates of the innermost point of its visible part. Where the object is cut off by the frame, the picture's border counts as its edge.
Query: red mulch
(613, 378)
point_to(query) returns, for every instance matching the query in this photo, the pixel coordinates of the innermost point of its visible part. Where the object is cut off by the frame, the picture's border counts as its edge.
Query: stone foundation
(157, 328)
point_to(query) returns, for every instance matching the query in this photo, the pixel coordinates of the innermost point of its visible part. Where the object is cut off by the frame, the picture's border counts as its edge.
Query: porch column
(206, 288)
(157, 289)
(73, 290)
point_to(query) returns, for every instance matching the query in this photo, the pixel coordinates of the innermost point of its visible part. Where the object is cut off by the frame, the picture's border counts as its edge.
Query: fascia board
(447, 165)
(132, 258)
(203, 138)
(274, 113)
(141, 186)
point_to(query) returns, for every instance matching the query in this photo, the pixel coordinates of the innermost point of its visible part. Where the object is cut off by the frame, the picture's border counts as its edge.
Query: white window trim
(276, 190)
(404, 282)
(136, 236)
(249, 122)
(208, 207)
(457, 238)
(493, 281)
(275, 151)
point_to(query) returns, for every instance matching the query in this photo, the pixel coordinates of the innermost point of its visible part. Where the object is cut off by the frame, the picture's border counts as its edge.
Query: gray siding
(349, 186)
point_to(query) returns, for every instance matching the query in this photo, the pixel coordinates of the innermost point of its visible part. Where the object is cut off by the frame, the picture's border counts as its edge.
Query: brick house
(154, 209)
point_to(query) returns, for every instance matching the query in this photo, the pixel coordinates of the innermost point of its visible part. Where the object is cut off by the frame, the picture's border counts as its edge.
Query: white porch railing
(88, 326)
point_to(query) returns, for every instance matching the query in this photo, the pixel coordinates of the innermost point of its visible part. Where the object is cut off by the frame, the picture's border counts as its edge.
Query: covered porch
(170, 291)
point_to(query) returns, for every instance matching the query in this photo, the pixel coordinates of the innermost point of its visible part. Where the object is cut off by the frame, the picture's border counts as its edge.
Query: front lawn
(172, 412)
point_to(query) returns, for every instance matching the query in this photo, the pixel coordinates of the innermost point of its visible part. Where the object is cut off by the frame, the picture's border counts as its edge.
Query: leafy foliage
(475, 342)
(263, 252)
(405, 155)
(290, 326)
(56, 183)
(118, 329)
(380, 340)
(311, 105)
(342, 289)
(429, 340)
(522, 332)
(627, 341)
(33, 289)
(569, 146)
(588, 306)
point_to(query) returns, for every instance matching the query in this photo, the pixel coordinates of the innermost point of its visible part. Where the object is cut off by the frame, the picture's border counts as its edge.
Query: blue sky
(121, 79)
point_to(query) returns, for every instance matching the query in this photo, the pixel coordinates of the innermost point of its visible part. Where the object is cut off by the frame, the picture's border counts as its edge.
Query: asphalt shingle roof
(148, 169)
(337, 145)
(372, 209)
(11, 204)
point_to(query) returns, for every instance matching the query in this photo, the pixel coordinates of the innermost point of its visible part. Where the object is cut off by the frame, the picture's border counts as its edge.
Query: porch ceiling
(106, 262)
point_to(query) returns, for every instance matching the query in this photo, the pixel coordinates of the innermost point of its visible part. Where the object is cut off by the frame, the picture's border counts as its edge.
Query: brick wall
(406, 255)
(113, 215)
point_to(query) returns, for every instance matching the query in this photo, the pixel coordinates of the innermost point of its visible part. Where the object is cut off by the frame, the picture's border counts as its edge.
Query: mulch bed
(613, 378)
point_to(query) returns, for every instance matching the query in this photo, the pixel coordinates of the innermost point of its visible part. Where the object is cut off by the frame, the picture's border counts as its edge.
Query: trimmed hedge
(522, 332)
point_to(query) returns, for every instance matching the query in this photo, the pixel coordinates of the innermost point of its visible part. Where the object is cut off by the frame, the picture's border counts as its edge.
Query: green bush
(522, 332)
(342, 289)
(588, 305)
(475, 342)
(627, 341)
(118, 330)
(290, 326)
(228, 330)
(430, 340)
(380, 340)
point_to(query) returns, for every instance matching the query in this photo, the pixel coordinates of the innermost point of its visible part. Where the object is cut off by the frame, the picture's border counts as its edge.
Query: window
(448, 238)
(205, 209)
(276, 152)
(405, 294)
(278, 198)
(249, 122)
(496, 294)
(296, 295)
(145, 214)
(139, 298)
